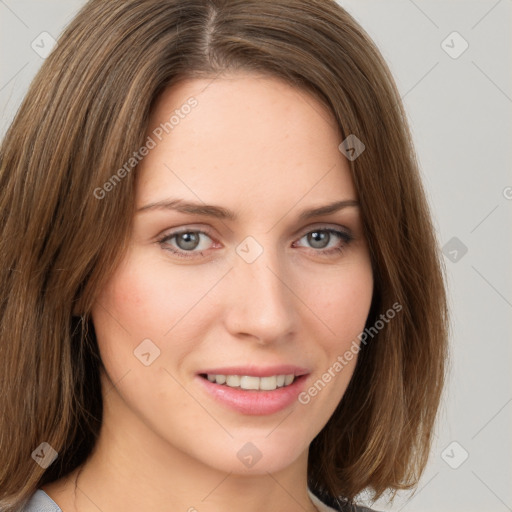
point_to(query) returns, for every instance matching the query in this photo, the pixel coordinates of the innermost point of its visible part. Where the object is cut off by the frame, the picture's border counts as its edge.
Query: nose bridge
(262, 304)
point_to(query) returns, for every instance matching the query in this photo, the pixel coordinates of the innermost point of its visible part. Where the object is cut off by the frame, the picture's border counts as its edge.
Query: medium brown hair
(84, 116)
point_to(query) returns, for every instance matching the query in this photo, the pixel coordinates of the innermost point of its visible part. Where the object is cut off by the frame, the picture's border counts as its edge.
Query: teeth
(247, 382)
(253, 383)
(233, 381)
(268, 383)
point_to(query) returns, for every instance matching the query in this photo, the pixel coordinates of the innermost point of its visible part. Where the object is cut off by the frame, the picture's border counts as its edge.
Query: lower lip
(254, 402)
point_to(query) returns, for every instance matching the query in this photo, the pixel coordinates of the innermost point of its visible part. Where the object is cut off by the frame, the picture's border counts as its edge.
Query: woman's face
(230, 272)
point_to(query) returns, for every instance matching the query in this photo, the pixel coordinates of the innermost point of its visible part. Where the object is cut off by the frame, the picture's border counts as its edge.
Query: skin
(267, 151)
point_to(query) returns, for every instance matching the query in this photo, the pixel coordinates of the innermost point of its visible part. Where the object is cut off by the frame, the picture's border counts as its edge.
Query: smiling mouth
(251, 383)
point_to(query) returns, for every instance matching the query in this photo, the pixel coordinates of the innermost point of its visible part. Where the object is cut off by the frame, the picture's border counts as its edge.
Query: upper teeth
(250, 382)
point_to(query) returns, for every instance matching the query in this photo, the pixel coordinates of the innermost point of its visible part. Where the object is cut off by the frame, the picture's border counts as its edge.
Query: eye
(190, 243)
(186, 243)
(327, 240)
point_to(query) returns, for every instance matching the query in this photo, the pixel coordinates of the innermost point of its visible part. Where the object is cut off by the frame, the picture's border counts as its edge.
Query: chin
(256, 454)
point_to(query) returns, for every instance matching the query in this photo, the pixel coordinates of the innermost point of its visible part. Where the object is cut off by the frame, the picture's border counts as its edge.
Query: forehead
(244, 137)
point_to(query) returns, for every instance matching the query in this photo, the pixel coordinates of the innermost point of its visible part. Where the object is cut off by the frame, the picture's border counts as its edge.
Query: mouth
(251, 382)
(252, 390)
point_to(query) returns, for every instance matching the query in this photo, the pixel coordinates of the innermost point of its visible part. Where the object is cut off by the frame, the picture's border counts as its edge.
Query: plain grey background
(459, 103)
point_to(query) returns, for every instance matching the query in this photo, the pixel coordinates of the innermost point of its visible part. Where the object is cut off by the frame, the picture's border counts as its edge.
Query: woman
(221, 284)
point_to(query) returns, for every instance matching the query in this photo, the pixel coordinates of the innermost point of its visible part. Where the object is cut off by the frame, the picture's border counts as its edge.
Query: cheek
(150, 301)
(341, 302)
(150, 298)
(341, 305)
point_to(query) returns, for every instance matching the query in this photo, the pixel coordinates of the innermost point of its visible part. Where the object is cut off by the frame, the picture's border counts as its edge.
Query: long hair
(85, 115)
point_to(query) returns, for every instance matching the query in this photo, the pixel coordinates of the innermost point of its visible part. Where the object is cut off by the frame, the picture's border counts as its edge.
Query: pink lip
(253, 402)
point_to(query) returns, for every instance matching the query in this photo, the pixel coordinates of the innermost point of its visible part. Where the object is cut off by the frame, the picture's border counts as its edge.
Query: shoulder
(41, 502)
(330, 505)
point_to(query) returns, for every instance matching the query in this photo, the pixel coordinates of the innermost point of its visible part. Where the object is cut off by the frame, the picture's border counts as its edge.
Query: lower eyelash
(184, 254)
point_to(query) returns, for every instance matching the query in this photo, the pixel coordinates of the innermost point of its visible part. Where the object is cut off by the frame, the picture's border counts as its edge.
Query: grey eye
(187, 241)
(318, 239)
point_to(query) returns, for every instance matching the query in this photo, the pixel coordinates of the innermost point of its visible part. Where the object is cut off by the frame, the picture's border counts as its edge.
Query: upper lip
(257, 371)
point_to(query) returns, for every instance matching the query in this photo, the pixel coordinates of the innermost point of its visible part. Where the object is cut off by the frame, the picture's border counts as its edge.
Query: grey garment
(41, 502)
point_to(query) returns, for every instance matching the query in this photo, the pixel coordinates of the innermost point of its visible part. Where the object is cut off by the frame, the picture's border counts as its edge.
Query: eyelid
(169, 232)
(179, 231)
(326, 227)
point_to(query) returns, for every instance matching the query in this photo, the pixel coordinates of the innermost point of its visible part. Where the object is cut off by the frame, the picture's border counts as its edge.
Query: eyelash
(345, 238)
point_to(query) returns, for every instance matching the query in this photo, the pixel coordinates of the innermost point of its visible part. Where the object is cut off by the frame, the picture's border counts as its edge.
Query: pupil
(188, 240)
(318, 239)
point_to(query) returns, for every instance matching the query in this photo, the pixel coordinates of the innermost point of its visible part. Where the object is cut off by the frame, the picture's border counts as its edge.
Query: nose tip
(261, 303)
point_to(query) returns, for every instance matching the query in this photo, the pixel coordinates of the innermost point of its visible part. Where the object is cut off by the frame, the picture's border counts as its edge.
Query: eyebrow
(219, 212)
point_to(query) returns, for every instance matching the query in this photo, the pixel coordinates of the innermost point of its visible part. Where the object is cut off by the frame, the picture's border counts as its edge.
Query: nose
(261, 303)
